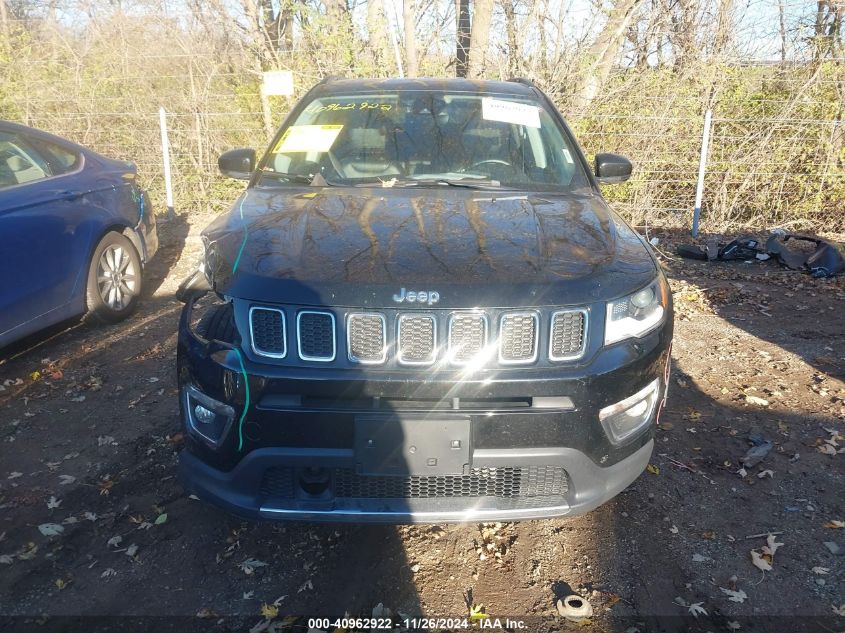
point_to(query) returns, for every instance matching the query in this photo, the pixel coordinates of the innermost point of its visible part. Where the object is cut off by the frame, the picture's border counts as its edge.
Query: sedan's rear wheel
(114, 279)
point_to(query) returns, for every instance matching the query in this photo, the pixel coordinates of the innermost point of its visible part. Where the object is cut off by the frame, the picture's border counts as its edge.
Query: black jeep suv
(421, 310)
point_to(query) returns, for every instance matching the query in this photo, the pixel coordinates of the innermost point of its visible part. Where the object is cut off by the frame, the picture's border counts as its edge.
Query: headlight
(624, 419)
(636, 314)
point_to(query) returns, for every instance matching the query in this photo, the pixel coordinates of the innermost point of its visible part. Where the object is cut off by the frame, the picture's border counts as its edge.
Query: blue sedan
(76, 231)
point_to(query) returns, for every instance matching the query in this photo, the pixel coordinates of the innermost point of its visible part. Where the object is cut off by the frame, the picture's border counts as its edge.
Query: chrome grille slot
(267, 331)
(315, 335)
(518, 333)
(467, 336)
(568, 335)
(366, 338)
(417, 339)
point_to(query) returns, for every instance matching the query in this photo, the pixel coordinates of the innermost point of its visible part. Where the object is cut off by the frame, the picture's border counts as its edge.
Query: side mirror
(237, 163)
(611, 168)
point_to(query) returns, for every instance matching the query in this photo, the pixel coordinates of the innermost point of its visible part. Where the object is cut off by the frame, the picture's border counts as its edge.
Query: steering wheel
(495, 168)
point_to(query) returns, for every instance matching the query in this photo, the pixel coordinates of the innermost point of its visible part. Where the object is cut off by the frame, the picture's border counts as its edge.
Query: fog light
(624, 419)
(203, 415)
(208, 419)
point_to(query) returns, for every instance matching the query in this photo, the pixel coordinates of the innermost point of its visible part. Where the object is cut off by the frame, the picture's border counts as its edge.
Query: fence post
(165, 156)
(702, 168)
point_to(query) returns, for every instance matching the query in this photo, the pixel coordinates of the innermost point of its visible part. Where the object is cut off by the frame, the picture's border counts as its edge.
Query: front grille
(417, 339)
(267, 330)
(518, 338)
(365, 334)
(568, 335)
(315, 335)
(467, 336)
(507, 483)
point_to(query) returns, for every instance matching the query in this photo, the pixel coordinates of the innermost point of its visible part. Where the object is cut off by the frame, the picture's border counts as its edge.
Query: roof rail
(330, 78)
(524, 81)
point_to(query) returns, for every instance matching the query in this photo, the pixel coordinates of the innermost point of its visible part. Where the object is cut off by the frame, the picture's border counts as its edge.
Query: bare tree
(480, 39)
(462, 28)
(409, 18)
(604, 51)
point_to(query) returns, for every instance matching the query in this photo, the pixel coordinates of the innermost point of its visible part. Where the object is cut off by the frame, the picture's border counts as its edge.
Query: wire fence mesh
(775, 154)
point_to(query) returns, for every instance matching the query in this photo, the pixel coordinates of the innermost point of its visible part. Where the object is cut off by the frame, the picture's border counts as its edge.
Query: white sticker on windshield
(567, 156)
(308, 138)
(510, 112)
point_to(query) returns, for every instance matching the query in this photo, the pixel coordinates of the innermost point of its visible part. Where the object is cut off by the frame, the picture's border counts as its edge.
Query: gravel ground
(89, 438)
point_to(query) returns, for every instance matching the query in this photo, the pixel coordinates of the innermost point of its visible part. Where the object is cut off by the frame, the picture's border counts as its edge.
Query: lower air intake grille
(416, 339)
(366, 338)
(518, 338)
(467, 336)
(315, 334)
(508, 482)
(567, 339)
(268, 331)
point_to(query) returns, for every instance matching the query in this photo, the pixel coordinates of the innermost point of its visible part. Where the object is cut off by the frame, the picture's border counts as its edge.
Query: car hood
(360, 247)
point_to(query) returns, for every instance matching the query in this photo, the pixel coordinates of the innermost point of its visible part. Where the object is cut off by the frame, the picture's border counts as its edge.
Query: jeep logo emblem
(417, 296)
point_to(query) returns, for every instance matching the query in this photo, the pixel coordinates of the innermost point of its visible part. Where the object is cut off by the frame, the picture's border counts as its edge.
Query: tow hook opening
(315, 483)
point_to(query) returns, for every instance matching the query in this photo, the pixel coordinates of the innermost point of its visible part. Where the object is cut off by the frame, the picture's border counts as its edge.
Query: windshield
(425, 138)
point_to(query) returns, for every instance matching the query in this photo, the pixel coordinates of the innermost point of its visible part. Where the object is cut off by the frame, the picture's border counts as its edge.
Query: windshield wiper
(468, 183)
(299, 178)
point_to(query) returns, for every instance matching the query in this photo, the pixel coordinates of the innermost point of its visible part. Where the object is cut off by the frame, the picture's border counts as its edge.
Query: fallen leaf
(132, 550)
(654, 470)
(50, 529)
(52, 502)
(161, 518)
(206, 613)
(674, 529)
(90, 516)
(5, 559)
(696, 609)
(771, 545)
(760, 402)
(269, 611)
(476, 612)
(66, 479)
(248, 595)
(835, 525)
(766, 473)
(734, 596)
(108, 573)
(827, 449)
(821, 571)
(114, 541)
(698, 558)
(14, 475)
(840, 610)
(250, 565)
(759, 562)
(61, 584)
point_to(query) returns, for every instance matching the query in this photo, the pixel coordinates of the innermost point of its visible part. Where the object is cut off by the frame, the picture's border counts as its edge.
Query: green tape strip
(246, 234)
(246, 401)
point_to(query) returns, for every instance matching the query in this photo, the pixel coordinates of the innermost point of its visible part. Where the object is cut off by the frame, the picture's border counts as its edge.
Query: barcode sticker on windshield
(510, 112)
(308, 138)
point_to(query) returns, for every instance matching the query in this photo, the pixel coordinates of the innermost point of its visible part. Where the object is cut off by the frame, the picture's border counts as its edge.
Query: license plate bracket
(392, 445)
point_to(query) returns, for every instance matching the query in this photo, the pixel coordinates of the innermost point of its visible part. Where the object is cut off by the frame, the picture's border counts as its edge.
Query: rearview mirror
(237, 163)
(612, 168)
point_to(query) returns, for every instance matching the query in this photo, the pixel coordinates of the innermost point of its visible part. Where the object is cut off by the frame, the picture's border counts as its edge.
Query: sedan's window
(421, 138)
(19, 162)
(25, 159)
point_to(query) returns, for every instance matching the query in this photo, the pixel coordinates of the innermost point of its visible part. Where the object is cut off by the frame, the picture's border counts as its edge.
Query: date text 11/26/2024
(425, 624)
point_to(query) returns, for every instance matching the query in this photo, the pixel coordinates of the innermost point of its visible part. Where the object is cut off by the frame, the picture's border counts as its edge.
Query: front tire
(114, 279)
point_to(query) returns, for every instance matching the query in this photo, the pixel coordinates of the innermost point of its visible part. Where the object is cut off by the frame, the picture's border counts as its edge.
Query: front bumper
(537, 446)
(235, 491)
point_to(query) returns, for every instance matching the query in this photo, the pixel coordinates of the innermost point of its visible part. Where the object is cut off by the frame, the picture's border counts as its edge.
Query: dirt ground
(89, 437)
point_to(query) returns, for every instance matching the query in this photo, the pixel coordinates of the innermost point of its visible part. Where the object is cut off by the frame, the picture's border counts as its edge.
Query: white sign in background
(277, 83)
